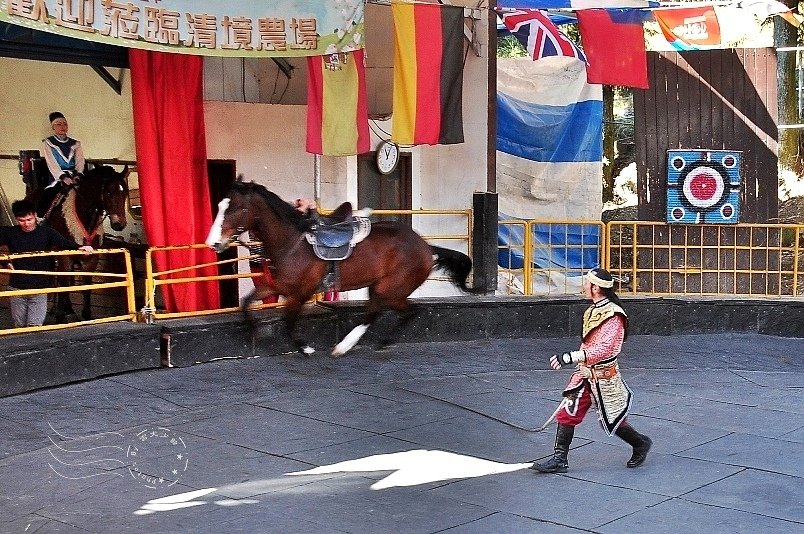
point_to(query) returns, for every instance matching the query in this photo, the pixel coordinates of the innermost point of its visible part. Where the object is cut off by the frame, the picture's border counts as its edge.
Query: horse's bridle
(99, 210)
(240, 230)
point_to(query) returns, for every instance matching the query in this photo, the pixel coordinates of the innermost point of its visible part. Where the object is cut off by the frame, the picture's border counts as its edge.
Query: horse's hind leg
(405, 313)
(351, 339)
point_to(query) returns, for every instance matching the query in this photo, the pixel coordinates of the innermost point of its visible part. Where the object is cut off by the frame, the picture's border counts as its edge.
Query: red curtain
(167, 99)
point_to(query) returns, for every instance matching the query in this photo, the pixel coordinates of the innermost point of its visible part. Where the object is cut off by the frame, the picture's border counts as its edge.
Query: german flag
(337, 107)
(428, 74)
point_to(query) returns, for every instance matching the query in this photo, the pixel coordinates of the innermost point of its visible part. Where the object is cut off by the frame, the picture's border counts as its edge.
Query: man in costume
(65, 161)
(597, 377)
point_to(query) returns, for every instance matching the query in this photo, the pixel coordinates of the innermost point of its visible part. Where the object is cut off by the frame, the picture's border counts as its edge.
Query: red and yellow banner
(428, 74)
(337, 107)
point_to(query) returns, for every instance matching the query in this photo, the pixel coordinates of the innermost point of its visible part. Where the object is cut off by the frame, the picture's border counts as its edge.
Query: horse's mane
(283, 210)
(103, 173)
(71, 219)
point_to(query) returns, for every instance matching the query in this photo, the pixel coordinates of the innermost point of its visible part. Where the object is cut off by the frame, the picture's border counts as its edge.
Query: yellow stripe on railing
(126, 281)
(153, 280)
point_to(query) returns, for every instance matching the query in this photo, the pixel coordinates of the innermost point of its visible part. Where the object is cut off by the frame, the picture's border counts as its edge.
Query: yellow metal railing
(558, 253)
(155, 279)
(119, 280)
(745, 259)
(461, 236)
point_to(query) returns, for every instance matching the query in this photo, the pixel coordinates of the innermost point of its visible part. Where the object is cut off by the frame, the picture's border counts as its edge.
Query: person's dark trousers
(558, 463)
(640, 443)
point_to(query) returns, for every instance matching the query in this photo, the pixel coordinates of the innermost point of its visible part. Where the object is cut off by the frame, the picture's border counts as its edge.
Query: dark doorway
(221, 177)
(385, 191)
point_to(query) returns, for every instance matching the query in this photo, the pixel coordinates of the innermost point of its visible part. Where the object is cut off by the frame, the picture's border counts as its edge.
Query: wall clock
(387, 157)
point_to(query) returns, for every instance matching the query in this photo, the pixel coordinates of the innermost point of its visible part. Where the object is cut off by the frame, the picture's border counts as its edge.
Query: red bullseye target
(703, 187)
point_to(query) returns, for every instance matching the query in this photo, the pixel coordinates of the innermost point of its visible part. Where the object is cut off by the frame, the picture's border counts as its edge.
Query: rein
(271, 263)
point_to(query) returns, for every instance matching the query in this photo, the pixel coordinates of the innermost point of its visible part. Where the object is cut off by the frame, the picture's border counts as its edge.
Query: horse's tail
(457, 264)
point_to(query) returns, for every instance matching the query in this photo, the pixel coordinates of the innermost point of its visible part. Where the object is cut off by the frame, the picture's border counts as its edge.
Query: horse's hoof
(307, 350)
(336, 353)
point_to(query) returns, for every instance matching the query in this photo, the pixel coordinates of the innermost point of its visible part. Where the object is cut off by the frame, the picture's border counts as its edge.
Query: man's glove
(567, 358)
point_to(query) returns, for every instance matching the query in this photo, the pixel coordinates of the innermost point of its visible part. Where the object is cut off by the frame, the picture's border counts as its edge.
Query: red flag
(337, 107)
(428, 74)
(614, 43)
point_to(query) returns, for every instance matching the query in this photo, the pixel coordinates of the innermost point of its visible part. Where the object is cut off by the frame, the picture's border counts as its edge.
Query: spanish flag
(428, 74)
(337, 108)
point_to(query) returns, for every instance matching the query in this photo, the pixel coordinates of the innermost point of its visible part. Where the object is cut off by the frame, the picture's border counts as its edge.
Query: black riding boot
(558, 463)
(640, 442)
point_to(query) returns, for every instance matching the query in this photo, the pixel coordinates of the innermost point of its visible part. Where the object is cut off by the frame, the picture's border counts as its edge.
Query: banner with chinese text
(202, 27)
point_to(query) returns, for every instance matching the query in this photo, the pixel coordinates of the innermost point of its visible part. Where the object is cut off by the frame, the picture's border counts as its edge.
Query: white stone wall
(98, 116)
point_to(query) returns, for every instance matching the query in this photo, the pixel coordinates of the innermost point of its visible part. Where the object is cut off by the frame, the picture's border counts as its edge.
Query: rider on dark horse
(65, 164)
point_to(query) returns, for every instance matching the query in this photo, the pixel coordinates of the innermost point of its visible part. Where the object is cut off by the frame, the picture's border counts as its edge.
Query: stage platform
(45, 359)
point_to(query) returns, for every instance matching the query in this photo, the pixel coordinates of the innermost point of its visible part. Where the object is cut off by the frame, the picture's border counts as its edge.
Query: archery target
(703, 186)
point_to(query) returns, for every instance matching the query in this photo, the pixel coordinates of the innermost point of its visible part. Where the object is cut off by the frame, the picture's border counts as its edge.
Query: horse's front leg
(259, 293)
(62, 305)
(291, 316)
(86, 312)
(245, 307)
(62, 308)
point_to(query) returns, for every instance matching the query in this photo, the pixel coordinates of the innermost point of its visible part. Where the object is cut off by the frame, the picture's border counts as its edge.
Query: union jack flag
(540, 37)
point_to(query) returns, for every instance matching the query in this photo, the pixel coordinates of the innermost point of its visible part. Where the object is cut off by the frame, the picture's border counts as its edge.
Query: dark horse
(101, 193)
(391, 262)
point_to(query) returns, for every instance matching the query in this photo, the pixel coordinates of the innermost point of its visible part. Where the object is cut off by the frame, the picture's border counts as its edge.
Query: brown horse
(392, 261)
(101, 193)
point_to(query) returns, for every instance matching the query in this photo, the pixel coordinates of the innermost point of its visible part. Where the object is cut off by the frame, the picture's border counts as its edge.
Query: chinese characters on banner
(204, 27)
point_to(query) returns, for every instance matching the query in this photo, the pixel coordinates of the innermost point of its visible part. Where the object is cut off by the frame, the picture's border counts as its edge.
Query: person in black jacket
(29, 236)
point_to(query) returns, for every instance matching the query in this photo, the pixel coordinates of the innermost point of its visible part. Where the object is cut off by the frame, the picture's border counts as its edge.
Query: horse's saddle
(334, 236)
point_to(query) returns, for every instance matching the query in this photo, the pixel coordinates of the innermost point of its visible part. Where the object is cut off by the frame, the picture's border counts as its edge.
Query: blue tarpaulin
(560, 246)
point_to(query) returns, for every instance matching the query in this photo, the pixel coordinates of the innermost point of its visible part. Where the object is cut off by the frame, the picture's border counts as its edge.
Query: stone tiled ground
(420, 438)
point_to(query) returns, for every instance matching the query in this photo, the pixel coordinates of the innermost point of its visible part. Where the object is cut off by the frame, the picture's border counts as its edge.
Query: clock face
(387, 157)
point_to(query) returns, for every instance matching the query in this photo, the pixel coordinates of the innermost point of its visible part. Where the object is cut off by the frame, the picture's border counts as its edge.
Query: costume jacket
(603, 334)
(63, 157)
